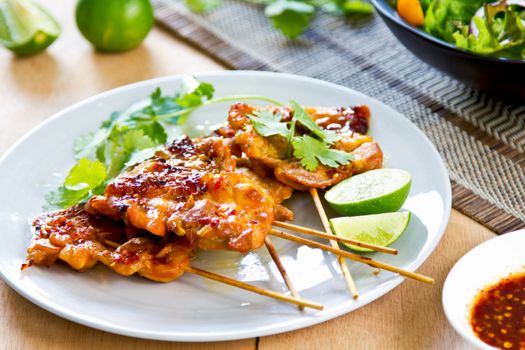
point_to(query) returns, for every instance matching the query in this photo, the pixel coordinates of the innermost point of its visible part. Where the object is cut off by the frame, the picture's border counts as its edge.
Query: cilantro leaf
(154, 130)
(88, 145)
(292, 18)
(347, 7)
(311, 151)
(290, 137)
(203, 5)
(268, 124)
(351, 7)
(83, 180)
(139, 156)
(194, 93)
(125, 139)
(85, 175)
(300, 115)
(125, 143)
(159, 106)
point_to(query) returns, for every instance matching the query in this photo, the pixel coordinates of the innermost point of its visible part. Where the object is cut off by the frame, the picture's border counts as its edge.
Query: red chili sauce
(498, 314)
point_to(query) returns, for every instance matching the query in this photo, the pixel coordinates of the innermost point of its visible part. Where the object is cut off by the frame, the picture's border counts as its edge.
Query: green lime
(379, 229)
(373, 192)
(26, 28)
(114, 25)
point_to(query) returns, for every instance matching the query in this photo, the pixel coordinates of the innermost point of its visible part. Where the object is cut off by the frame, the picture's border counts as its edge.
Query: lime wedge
(379, 229)
(373, 192)
(25, 27)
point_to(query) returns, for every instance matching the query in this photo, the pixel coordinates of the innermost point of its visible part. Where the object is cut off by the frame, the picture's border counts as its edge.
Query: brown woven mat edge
(482, 211)
(199, 37)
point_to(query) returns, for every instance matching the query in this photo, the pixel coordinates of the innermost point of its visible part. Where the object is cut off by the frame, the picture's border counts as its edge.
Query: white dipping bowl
(481, 267)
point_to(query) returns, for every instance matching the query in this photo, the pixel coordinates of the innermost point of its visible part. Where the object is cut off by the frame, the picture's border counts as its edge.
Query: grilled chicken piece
(81, 240)
(191, 189)
(279, 191)
(350, 123)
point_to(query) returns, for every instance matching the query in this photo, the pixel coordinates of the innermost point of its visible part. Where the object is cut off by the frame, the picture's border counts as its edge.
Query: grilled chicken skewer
(350, 124)
(192, 190)
(192, 196)
(82, 240)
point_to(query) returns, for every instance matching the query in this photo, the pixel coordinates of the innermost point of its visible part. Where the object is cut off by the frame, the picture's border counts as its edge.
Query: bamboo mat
(481, 139)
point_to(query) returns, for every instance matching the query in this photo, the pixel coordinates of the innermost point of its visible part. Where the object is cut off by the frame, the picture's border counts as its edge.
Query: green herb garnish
(202, 5)
(127, 138)
(293, 17)
(267, 124)
(83, 180)
(308, 149)
(300, 115)
(311, 151)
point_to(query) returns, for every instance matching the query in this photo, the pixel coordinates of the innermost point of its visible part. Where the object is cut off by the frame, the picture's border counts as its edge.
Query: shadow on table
(35, 75)
(116, 69)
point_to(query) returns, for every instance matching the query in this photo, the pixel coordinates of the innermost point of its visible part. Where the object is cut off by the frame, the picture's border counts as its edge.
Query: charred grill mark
(344, 119)
(182, 147)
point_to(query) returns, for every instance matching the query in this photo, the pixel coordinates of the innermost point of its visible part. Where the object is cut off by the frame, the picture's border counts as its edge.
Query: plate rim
(184, 337)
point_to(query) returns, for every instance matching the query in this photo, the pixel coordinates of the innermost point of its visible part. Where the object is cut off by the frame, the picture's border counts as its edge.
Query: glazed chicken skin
(192, 190)
(81, 240)
(280, 192)
(351, 125)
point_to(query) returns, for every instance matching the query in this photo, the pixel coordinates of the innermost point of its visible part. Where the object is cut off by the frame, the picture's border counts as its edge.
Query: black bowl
(500, 76)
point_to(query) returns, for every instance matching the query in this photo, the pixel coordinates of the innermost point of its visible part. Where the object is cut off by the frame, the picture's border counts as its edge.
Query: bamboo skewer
(302, 303)
(342, 263)
(282, 270)
(254, 289)
(352, 256)
(111, 243)
(312, 232)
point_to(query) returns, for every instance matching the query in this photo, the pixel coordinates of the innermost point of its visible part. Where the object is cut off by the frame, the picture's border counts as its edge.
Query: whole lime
(114, 25)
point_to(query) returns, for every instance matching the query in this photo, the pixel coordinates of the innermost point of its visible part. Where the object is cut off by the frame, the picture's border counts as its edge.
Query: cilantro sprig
(127, 138)
(293, 17)
(309, 149)
(269, 124)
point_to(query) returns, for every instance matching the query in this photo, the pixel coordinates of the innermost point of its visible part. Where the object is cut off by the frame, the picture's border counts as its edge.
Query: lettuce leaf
(500, 32)
(444, 17)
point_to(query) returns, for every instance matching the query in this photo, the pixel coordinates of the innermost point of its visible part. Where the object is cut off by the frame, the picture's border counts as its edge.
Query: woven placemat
(481, 139)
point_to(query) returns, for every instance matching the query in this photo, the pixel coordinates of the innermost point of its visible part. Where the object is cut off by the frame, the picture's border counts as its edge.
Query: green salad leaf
(500, 31)
(444, 17)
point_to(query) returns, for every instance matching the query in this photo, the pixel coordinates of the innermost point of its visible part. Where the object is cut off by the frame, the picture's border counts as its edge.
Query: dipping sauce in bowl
(498, 313)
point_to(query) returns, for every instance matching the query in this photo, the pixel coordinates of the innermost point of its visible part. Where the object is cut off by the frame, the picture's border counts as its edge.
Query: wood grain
(33, 89)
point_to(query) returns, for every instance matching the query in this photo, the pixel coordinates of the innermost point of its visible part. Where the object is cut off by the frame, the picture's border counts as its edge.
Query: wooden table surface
(32, 89)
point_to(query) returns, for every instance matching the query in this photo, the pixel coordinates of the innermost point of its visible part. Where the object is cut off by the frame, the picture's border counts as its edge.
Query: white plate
(193, 309)
(481, 267)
